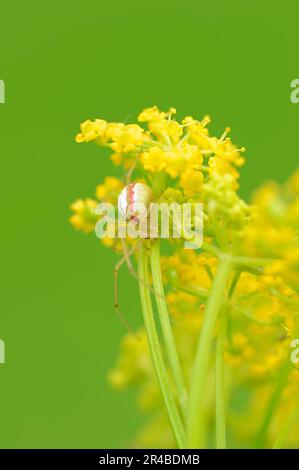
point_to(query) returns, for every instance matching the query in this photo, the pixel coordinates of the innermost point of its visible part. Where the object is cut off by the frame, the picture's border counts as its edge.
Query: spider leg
(129, 174)
(128, 259)
(115, 276)
(131, 268)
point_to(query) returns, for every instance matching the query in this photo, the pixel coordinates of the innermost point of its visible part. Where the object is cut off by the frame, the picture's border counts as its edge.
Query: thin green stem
(156, 352)
(221, 442)
(246, 261)
(209, 272)
(237, 260)
(200, 292)
(169, 341)
(234, 283)
(220, 391)
(287, 300)
(219, 232)
(201, 365)
(213, 250)
(248, 315)
(159, 184)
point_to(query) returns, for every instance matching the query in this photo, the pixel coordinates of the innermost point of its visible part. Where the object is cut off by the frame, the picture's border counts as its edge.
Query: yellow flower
(227, 150)
(117, 159)
(179, 158)
(92, 130)
(171, 195)
(134, 363)
(166, 129)
(84, 217)
(293, 182)
(126, 138)
(221, 167)
(108, 242)
(261, 294)
(109, 190)
(193, 156)
(175, 163)
(151, 114)
(154, 160)
(191, 182)
(197, 131)
(267, 195)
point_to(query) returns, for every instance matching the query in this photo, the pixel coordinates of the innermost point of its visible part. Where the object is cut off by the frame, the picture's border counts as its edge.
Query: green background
(64, 62)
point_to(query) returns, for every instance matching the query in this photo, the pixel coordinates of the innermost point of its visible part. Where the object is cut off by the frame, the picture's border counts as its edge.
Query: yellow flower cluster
(262, 323)
(183, 150)
(109, 190)
(261, 294)
(120, 137)
(84, 217)
(273, 230)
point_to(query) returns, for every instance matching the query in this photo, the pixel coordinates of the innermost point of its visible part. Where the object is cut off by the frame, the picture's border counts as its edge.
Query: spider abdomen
(135, 199)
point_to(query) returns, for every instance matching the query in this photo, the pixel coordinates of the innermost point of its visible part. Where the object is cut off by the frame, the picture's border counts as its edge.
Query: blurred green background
(64, 62)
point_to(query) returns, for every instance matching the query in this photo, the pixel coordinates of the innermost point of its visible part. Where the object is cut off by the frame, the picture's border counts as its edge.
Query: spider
(135, 203)
(133, 207)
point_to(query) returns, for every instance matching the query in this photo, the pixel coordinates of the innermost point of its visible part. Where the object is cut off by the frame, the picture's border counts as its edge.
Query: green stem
(201, 365)
(234, 283)
(169, 341)
(272, 405)
(155, 348)
(237, 260)
(221, 442)
(286, 429)
(200, 292)
(246, 261)
(220, 392)
(213, 250)
(159, 185)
